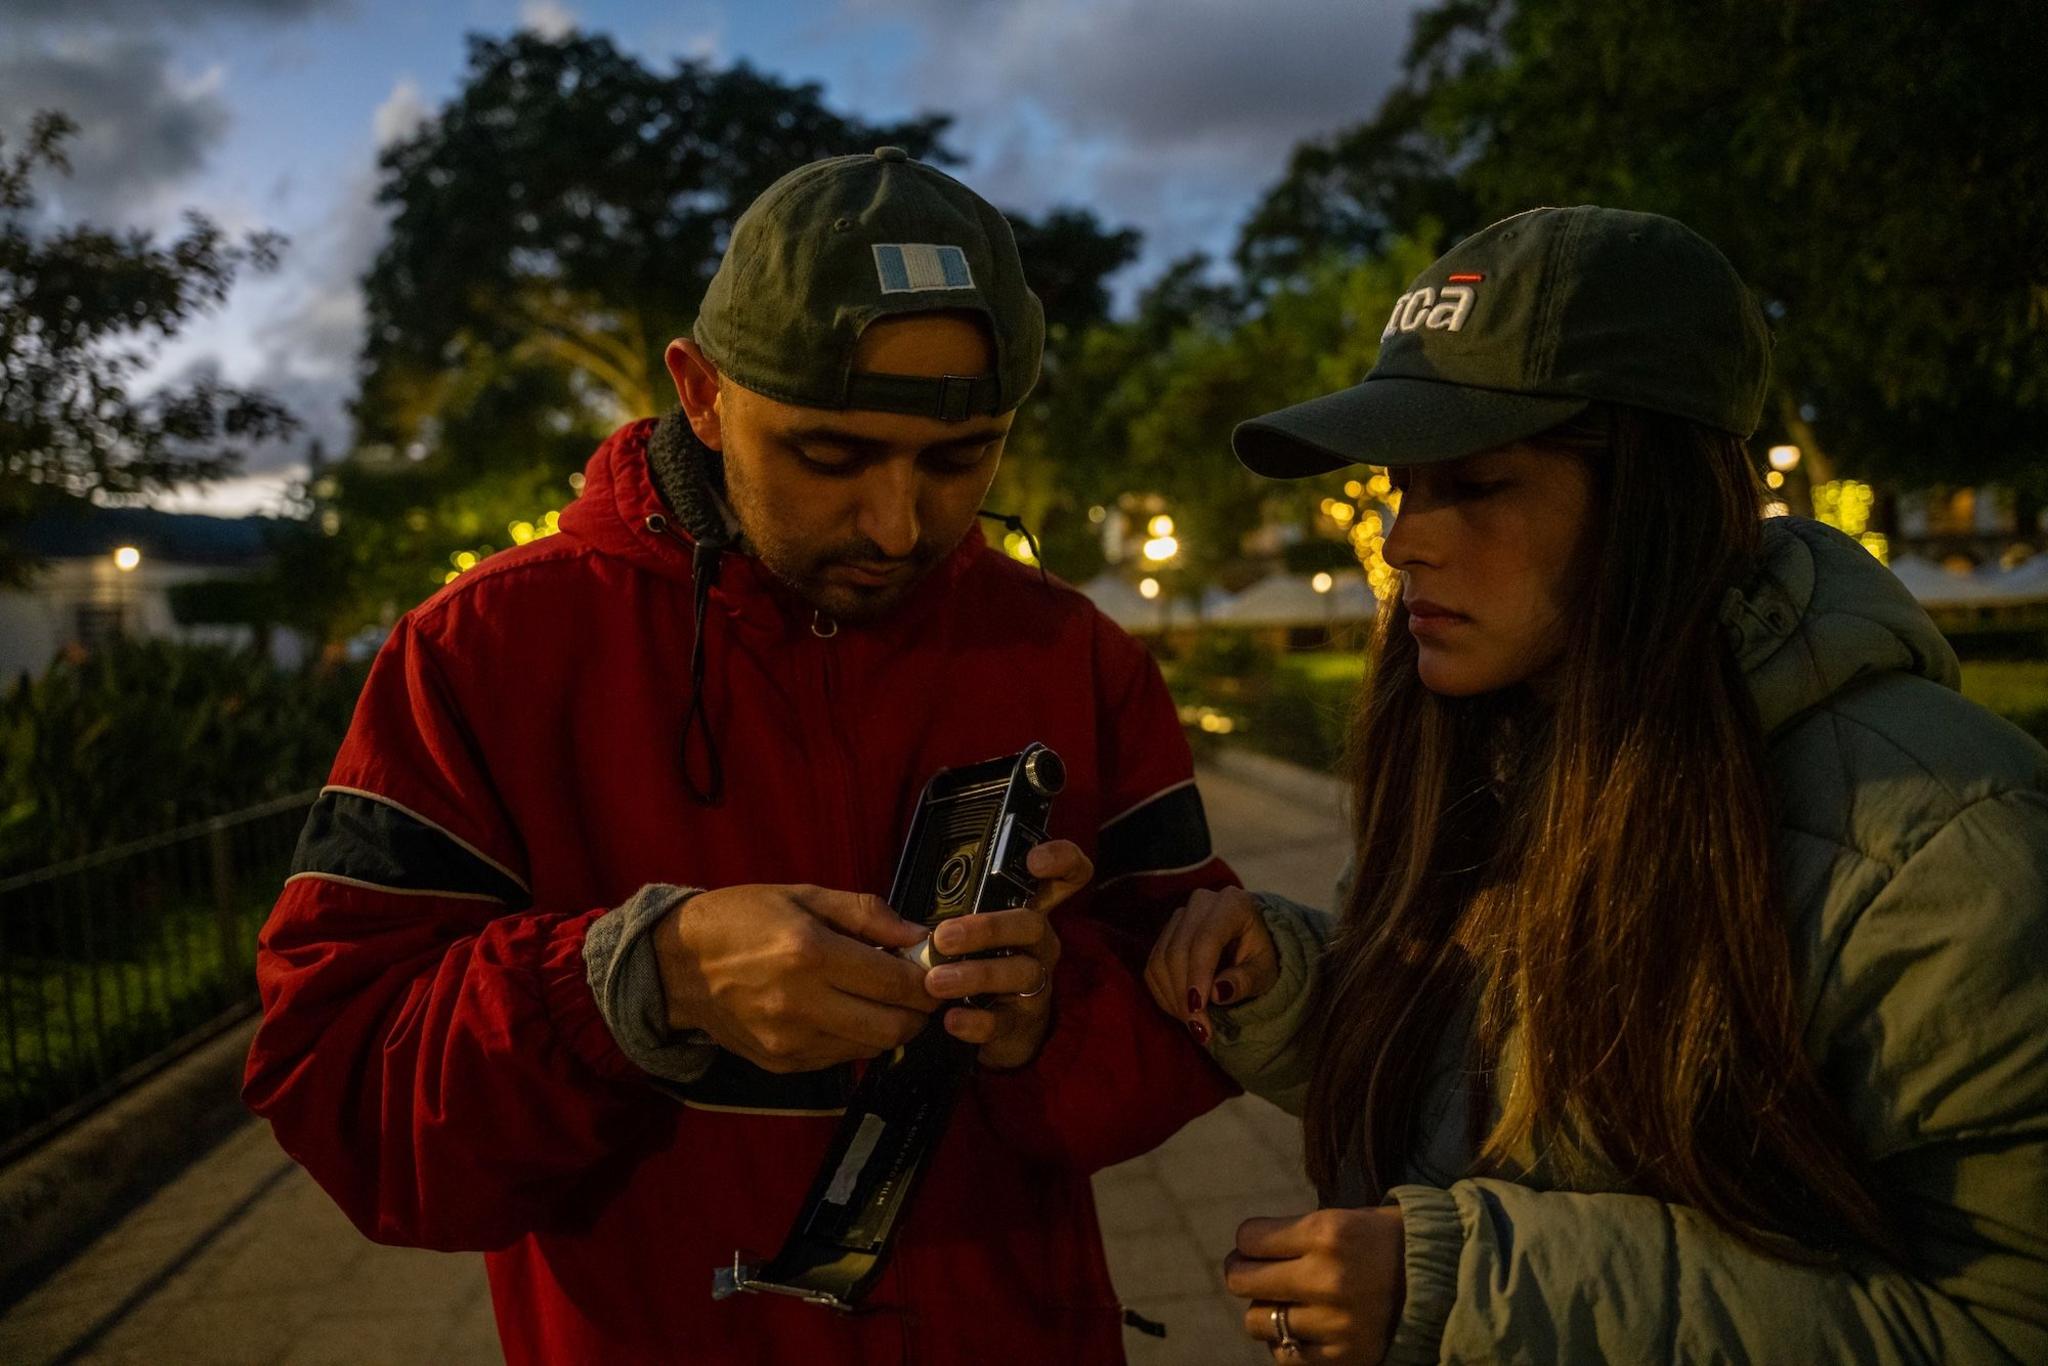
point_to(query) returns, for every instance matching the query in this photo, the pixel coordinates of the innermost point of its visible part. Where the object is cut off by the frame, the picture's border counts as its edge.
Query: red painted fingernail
(1194, 1001)
(1199, 1030)
(1224, 991)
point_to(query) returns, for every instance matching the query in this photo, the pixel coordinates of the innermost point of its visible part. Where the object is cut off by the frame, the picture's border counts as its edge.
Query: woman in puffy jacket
(1687, 997)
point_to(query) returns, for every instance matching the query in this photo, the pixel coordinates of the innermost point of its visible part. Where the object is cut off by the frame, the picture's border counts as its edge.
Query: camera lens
(953, 877)
(1045, 771)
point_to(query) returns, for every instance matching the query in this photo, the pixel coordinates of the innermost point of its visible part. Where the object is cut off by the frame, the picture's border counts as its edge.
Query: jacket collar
(690, 477)
(621, 512)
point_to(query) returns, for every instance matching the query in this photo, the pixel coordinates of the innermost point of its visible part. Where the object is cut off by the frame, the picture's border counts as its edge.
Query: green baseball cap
(837, 244)
(1523, 325)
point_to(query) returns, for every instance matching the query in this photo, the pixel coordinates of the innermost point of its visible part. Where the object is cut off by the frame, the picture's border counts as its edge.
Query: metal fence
(114, 964)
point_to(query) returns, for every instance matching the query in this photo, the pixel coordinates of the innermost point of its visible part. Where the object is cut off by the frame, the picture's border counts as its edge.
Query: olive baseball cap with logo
(834, 246)
(1525, 324)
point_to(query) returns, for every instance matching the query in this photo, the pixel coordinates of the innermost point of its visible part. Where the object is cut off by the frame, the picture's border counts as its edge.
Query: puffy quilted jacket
(1913, 851)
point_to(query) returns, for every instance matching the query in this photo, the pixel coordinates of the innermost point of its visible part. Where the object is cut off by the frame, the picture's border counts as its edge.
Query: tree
(1878, 173)
(1146, 404)
(1355, 193)
(566, 210)
(82, 312)
(555, 225)
(1067, 258)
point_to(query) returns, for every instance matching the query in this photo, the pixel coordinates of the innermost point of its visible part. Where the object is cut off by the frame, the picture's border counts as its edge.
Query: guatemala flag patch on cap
(910, 267)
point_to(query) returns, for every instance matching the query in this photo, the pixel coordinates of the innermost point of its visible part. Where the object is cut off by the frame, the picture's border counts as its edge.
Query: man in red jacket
(577, 961)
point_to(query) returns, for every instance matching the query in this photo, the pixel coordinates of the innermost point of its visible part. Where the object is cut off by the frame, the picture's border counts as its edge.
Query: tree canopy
(1879, 176)
(554, 225)
(82, 313)
(566, 210)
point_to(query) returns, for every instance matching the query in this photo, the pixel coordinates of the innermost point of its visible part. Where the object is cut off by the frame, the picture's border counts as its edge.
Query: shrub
(145, 735)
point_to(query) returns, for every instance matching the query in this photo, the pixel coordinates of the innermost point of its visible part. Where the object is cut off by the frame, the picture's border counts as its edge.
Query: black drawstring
(703, 573)
(1013, 522)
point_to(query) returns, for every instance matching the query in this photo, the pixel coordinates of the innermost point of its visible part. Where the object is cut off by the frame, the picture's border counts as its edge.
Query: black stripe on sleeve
(1170, 831)
(360, 839)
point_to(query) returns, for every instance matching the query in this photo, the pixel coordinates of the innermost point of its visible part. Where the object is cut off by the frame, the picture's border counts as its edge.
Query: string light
(1845, 504)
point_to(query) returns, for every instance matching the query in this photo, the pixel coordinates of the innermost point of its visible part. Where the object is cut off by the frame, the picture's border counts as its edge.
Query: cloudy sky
(1169, 115)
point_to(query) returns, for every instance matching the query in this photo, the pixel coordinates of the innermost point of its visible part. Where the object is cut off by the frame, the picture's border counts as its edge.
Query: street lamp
(1784, 458)
(127, 559)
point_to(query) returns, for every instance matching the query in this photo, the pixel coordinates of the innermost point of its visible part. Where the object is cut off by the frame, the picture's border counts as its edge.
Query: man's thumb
(862, 915)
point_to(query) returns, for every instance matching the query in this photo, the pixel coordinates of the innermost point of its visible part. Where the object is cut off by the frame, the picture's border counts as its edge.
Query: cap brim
(1392, 421)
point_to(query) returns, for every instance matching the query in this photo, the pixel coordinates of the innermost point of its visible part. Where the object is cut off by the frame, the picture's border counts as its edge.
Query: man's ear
(696, 389)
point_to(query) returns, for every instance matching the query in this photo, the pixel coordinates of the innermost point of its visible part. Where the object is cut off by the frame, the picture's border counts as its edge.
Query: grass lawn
(70, 1025)
(2015, 689)
(1297, 708)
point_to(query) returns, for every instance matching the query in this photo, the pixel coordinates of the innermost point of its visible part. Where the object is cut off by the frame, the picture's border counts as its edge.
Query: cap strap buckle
(956, 397)
(951, 398)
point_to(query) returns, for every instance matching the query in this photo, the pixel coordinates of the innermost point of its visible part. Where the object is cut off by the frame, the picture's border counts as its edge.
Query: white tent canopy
(1291, 600)
(1933, 586)
(1123, 604)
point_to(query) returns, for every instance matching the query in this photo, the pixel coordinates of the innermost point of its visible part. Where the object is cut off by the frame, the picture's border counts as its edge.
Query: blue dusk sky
(1166, 115)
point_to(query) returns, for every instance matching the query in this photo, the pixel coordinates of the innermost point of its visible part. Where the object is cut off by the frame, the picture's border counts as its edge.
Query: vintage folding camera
(973, 828)
(965, 853)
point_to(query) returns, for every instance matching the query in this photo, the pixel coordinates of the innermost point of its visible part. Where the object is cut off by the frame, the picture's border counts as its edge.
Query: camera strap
(893, 1123)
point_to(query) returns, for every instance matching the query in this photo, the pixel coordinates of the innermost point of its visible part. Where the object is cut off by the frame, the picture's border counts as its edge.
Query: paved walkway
(244, 1260)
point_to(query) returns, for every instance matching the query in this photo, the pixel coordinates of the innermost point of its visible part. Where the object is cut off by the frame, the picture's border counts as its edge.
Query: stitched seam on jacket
(487, 572)
(367, 886)
(433, 825)
(1854, 919)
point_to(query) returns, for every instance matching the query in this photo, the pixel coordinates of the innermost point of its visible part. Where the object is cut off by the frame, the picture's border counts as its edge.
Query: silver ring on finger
(1285, 1345)
(1044, 981)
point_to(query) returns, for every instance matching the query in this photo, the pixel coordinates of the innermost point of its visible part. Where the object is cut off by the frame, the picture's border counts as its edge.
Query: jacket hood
(619, 497)
(1821, 614)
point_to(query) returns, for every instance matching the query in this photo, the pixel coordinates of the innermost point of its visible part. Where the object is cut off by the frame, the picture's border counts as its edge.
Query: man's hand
(1337, 1271)
(1010, 1025)
(790, 978)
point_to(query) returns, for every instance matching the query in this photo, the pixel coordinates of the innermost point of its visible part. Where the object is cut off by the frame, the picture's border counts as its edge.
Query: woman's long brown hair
(1599, 871)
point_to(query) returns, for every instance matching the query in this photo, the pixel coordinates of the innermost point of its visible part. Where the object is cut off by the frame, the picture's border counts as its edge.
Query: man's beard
(840, 598)
(806, 571)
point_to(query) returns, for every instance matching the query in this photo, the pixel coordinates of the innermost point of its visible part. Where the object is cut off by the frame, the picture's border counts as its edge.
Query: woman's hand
(1215, 948)
(1337, 1274)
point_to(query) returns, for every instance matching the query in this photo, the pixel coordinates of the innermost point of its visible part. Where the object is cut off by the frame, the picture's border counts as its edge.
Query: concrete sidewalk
(243, 1259)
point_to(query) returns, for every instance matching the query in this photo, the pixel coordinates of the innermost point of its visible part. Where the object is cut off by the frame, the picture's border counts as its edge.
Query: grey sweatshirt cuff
(619, 963)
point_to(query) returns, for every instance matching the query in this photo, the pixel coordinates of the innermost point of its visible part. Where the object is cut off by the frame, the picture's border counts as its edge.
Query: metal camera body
(972, 831)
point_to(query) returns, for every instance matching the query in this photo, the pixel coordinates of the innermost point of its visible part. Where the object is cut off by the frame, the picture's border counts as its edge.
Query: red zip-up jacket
(432, 1052)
